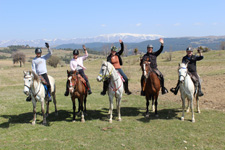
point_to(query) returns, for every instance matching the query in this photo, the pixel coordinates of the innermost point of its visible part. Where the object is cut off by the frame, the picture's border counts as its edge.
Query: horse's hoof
(119, 119)
(193, 120)
(74, 121)
(110, 121)
(44, 123)
(182, 118)
(33, 122)
(82, 120)
(199, 111)
(187, 111)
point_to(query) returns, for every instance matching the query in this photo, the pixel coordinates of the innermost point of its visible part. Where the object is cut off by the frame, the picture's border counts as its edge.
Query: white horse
(115, 87)
(187, 90)
(34, 87)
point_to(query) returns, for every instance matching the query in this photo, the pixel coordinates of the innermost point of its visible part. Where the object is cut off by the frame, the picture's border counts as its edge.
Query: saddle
(43, 81)
(82, 80)
(193, 78)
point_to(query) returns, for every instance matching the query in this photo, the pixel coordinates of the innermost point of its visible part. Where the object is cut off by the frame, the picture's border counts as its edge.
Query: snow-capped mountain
(127, 37)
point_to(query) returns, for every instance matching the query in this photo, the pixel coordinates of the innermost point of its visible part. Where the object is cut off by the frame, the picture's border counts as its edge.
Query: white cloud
(215, 23)
(198, 24)
(138, 24)
(177, 24)
(103, 25)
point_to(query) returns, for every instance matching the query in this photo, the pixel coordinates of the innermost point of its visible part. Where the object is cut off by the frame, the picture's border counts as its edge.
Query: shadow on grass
(165, 114)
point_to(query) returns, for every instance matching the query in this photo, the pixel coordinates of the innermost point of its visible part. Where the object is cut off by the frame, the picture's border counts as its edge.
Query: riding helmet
(75, 52)
(189, 49)
(38, 50)
(149, 46)
(114, 49)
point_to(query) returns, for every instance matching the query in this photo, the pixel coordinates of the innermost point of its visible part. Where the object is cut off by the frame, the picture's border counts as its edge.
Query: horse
(187, 90)
(77, 90)
(115, 88)
(151, 87)
(34, 87)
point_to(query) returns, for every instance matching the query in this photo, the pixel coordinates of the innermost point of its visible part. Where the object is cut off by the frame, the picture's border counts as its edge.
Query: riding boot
(164, 90)
(28, 99)
(49, 93)
(89, 88)
(200, 90)
(142, 82)
(175, 90)
(67, 89)
(105, 86)
(125, 84)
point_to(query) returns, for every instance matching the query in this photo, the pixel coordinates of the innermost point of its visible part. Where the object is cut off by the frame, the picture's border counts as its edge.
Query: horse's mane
(36, 78)
(182, 65)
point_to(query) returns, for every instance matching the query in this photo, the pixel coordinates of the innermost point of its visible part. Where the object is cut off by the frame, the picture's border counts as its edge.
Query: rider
(191, 60)
(77, 64)
(153, 64)
(115, 59)
(39, 67)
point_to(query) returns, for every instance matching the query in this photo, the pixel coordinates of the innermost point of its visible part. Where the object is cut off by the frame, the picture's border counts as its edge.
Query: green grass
(133, 132)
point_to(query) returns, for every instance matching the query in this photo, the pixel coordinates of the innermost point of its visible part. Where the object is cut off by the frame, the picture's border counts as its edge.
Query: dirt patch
(213, 88)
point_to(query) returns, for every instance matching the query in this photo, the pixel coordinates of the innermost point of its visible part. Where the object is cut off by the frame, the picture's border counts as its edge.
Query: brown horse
(77, 90)
(151, 87)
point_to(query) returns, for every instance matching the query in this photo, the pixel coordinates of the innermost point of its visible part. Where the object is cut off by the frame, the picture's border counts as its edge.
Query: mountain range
(128, 37)
(131, 41)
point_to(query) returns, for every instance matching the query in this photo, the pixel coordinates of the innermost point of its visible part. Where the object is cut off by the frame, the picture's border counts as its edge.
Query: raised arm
(47, 56)
(161, 47)
(122, 47)
(86, 53)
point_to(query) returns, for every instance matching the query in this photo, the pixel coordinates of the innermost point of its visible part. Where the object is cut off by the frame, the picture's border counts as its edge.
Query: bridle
(105, 76)
(144, 69)
(183, 75)
(39, 87)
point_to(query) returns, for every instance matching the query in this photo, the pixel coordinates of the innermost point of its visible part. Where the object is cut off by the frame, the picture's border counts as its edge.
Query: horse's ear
(24, 72)
(68, 72)
(179, 64)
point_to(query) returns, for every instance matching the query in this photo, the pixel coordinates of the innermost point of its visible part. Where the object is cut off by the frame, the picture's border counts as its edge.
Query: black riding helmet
(75, 52)
(189, 49)
(38, 50)
(149, 46)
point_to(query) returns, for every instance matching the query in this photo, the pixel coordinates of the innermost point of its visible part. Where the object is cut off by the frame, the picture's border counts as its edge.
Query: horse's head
(105, 71)
(28, 80)
(182, 70)
(72, 78)
(146, 68)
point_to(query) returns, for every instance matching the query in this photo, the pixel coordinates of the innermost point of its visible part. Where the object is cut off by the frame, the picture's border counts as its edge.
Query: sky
(65, 19)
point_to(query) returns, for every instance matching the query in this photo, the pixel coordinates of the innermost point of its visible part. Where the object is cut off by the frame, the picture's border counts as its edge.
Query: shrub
(53, 61)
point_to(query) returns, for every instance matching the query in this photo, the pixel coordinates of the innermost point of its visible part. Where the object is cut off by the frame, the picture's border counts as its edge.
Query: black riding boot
(164, 90)
(200, 90)
(175, 90)
(105, 87)
(49, 93)
(28, 99)
(67, 89)
(142, 80)
(89, 88)
(125, 84)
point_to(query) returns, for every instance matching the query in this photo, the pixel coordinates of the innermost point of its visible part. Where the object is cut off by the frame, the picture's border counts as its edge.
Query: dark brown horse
(77, 90)
(151, 86)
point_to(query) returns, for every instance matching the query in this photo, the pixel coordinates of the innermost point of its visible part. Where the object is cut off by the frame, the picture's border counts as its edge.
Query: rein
(183, 75)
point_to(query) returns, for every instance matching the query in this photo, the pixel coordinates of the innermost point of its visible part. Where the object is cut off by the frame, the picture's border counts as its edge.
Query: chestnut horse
(77, 90)
(151, 87)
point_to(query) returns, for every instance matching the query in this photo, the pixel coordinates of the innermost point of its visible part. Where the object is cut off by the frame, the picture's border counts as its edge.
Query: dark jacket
(192, 62)
(153, 57)
(117, 54)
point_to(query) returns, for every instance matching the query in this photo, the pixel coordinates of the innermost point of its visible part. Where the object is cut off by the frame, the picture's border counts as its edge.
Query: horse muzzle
(99, 79)
(26, 93)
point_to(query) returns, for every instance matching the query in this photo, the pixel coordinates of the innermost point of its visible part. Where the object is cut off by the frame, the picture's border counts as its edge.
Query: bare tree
(222, 45)
(19, 57)
(125, 52)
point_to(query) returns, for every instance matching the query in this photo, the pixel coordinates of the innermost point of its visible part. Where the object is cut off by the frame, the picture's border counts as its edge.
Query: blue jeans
(123, 74)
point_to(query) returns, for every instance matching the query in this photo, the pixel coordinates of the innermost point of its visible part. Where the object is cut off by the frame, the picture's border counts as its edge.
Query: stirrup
(164, 90)
(28, 99)
(49, 99)
(200, 94)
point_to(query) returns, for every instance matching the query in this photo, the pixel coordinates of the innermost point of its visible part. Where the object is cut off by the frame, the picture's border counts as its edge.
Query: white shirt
(39, 63)
(77, 64)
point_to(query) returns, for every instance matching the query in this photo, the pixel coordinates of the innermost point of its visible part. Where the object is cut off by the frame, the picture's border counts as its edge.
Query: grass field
(134, 131)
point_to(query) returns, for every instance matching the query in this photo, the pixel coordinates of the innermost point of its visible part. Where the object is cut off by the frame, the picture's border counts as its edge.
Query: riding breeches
(195, 77)
(45, 76)
(122, 74)
(81, 72)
